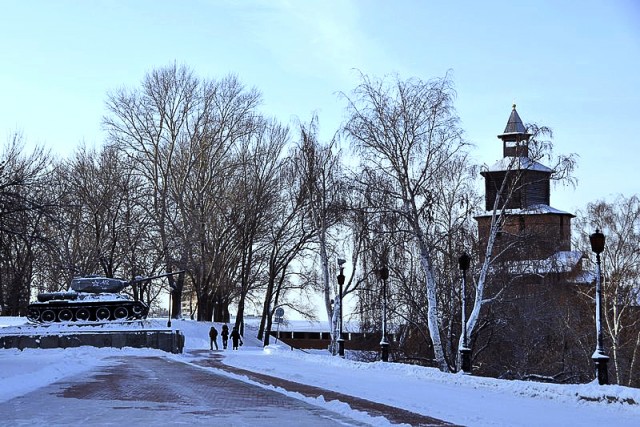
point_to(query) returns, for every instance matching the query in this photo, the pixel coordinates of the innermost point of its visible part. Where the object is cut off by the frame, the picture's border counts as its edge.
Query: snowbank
(457, 398)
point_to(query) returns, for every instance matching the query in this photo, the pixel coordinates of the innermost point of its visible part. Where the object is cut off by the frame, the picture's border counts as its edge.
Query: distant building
(315, 335)
(189, 301)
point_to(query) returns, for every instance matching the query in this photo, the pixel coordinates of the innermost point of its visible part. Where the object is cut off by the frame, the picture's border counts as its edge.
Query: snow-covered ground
(456, 398)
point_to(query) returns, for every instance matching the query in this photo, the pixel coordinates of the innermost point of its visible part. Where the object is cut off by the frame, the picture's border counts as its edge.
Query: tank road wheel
(33, 315)
(65, 315)
(83, 314)
(103, 313)
(120, 313)
(48, 316)
(137, 311)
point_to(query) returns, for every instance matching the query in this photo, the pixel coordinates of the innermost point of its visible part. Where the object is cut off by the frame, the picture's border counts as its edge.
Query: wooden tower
(522, 186)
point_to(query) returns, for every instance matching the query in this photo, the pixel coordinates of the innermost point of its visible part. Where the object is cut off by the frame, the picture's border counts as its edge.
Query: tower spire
(515, 138)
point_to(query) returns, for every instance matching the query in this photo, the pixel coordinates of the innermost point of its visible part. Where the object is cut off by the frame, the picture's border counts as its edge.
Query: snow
(559, 262)
(539, 209)
(457, 398)
(517, 163)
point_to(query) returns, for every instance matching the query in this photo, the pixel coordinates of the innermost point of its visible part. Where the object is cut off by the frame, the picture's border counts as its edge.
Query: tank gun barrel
(144, 279)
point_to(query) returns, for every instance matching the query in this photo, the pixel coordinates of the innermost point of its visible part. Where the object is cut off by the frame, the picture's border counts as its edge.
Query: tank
(92, 298)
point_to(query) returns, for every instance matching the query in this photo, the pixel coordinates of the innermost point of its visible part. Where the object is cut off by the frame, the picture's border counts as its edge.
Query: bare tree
(319, 166)
(619, 220)
(100, 226)
(25, 207)
(174, 111)
(255, 195)
(148, 125)
(290, 235)
(205, 174)
(407, 132)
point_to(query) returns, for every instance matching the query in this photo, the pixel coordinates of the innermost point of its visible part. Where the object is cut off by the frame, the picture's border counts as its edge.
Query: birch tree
(407, 131)
(319, 166)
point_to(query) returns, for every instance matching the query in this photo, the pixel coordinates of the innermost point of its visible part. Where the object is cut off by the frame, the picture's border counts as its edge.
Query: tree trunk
(266, 311)
(433, 314)
(240, 315)
(324, 262)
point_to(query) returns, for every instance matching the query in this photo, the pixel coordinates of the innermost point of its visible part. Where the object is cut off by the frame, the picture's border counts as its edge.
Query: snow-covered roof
(559, 262)
(585, 277)
(539, 209)
(518, 163)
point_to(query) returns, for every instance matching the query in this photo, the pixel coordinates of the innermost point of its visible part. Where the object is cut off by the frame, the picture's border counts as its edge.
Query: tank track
(70, 311)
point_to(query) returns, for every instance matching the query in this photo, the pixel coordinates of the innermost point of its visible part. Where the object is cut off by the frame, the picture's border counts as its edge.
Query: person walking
(213, 337)
(225, 336)
(235, 338)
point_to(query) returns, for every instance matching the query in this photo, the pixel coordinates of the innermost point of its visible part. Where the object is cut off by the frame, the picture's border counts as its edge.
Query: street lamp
(340, 283)
(384, 344)
(169, 319)
(465, 351)
(600, 359)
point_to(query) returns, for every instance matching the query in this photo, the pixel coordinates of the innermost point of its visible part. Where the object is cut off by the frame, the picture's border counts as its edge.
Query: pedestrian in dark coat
(235, 338)
(213, 337)
(225, 336)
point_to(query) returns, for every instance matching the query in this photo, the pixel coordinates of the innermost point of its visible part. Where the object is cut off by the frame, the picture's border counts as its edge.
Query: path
(153, 390)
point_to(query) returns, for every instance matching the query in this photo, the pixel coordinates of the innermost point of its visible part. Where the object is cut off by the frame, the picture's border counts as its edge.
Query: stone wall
(169, 341)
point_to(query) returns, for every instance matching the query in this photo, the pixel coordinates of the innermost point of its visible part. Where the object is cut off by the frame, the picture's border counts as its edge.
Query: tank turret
(91, 298)
(98, 285)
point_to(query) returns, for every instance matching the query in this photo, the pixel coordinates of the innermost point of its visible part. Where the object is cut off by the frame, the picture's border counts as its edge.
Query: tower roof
(514, 125)
(515, 137)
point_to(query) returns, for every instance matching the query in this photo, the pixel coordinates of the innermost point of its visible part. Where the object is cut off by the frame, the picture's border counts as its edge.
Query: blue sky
(573, 66)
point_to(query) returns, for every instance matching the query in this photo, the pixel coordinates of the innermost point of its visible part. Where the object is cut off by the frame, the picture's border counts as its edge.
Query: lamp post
(169, 319)
(340, 283)
(465, 351)
(384, 344)
(600, 359)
